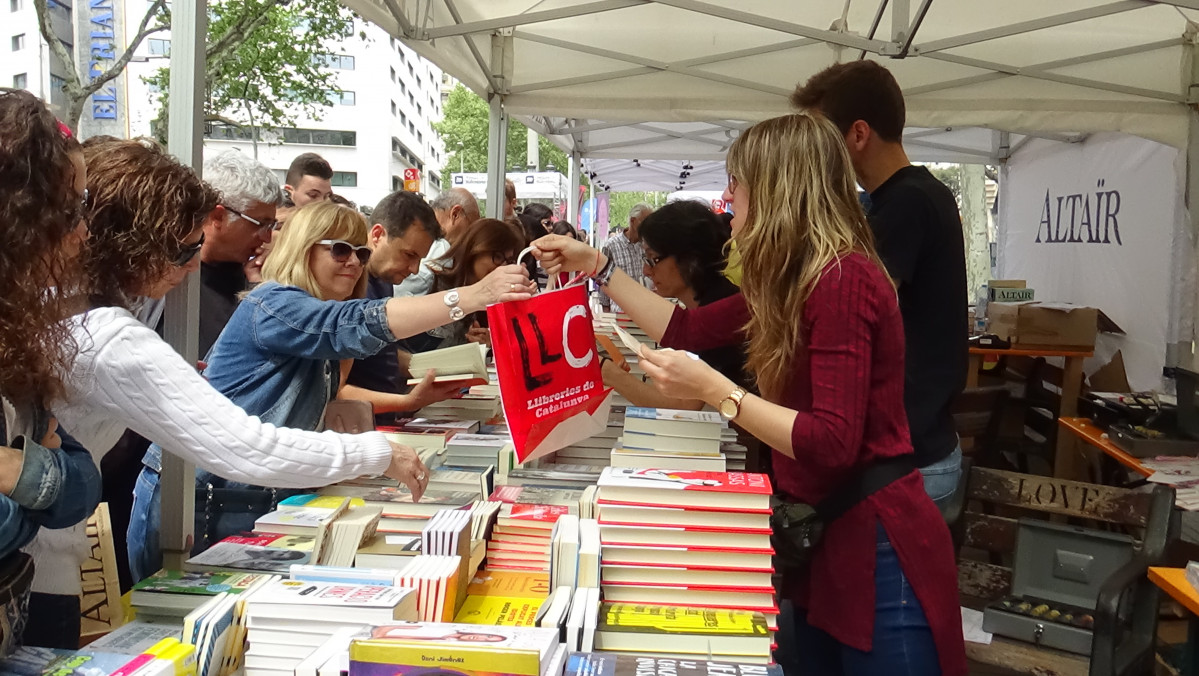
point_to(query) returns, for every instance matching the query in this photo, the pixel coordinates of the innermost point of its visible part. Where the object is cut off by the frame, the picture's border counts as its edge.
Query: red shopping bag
(549, 371)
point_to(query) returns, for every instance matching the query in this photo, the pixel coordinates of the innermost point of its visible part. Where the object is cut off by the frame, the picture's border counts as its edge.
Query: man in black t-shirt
(404, 228)
(918, 234)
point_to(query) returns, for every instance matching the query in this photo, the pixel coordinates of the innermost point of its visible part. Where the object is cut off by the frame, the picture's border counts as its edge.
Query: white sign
(1096, 223)
(541, 185)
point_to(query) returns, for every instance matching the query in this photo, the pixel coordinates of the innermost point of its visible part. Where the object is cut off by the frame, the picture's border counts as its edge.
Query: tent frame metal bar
(1055, 77)
(698, 137)
(470, 43)
(915, 26)
(748, 18)
(489, 25)
(1028, 26)
(971, 152)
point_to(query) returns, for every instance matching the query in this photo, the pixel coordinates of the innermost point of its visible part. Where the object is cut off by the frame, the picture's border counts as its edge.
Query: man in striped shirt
(625, 251)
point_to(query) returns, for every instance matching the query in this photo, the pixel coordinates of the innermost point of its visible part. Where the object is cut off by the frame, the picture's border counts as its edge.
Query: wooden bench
(1126, 613)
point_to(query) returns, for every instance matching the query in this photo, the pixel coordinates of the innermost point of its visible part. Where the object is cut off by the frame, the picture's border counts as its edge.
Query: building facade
(28, 62)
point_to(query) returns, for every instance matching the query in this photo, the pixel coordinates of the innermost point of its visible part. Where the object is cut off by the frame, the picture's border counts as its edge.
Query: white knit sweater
(126, 376)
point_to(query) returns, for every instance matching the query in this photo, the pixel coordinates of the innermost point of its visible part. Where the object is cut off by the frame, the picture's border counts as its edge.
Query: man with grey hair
(237, 235)
(624, 250)
(455, 209)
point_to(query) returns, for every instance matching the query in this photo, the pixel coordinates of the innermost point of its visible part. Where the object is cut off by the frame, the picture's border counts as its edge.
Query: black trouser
(54, 621)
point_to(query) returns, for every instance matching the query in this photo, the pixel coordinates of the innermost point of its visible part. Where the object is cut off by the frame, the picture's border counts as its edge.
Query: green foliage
(466, 120)
(620, 203)
(950, 175)
(267, 61)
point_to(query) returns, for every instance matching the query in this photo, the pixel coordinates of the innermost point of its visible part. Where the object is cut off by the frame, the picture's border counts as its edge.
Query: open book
(465, 363)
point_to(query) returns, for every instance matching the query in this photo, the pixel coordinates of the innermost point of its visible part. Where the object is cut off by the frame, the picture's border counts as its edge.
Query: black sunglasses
(188, 252)
(503, 259)
(652, 260)
(341, 250)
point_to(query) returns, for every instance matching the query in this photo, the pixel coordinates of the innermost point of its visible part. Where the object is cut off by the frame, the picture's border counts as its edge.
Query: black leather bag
(16, 579)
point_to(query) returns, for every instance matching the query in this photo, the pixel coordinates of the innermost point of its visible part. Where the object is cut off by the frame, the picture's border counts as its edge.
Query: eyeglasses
(341, 250)
(732, 183)
(188, 252)
(652, 261)
(503, 259)
(264, 227)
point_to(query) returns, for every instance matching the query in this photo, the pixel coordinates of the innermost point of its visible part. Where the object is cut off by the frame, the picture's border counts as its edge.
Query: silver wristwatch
(451, 299)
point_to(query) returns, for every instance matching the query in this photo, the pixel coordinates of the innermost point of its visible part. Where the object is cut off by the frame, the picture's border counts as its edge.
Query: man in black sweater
(918, 234)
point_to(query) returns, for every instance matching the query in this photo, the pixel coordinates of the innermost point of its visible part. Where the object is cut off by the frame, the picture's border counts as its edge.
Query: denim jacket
(57, 487)
(278, 357)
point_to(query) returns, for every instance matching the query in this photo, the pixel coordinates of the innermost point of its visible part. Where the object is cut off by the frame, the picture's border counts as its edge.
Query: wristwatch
(730, 406)
(451, 299)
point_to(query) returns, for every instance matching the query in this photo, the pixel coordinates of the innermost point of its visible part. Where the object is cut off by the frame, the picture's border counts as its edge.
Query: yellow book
(678, 619)
(459, 647)
(183, 655)
(499, 610)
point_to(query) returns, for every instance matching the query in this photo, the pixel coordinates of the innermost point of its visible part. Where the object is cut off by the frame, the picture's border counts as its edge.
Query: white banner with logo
(1102, 223)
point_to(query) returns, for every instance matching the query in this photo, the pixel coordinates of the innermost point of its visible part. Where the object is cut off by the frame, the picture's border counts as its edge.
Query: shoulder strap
(863, 484)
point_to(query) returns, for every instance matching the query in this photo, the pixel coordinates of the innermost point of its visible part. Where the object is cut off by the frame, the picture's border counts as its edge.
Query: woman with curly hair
(480, 248)
(54, 483)
(821, 320)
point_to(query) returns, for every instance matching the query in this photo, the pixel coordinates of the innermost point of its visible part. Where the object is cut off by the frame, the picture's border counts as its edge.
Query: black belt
(868, 481)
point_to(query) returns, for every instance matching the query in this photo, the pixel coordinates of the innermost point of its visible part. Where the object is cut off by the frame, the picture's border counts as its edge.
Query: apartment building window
(419, 84)
(343, 98)
(403, 87)
(396, 183)
(18, 42)
(344, 179)
(327, 137)
(393, 108)
(393, 74)
(159, 47)
(420, 138)
(411, 99)
(418, 110)
(57, 83)
(20, 80)
(393, 43)
(411, 128)
(336, 61)
(403, 118)
(16, 5)
(411, 72)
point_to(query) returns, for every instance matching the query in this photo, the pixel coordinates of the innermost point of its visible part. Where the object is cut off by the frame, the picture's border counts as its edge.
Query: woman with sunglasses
(683, 248)
(480, 248)
(825, 344)
(47, 480)
(279, 356)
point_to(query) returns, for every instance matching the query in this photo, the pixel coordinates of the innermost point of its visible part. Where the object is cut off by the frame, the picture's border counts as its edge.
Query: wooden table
(1173, 581)
(1064, 461)
(1084, 430)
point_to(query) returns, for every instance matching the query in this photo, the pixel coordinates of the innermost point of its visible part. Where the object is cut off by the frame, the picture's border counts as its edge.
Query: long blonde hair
(288, 260)
(803, 214)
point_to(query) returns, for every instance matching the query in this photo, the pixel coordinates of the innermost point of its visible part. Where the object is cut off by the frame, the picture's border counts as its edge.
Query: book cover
(86, 663)
(537, 495)
(647, 413)
(495, 649)
(509, 584)
(299, 593)
(614, 664)
(199, 583)
(699, 482)
(546, 514)
(499, 610)
(270, 552)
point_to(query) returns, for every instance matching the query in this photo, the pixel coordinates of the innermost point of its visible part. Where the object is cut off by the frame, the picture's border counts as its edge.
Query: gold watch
(730, 406)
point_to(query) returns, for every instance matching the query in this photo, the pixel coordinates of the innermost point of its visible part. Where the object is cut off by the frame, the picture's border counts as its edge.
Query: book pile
(556, 474)
(522, 537)
(337, 528)
(428, 444)
(169, 595)
(399, 513)
(436, 581)
(575, 553)
(596, 450)
(479, 450)
(693, 539)
(660, 438)
(425, 648)
(447, 426)
(579, 630)
(469, 406)
(1179, 472)
(617, 664)
(260, 552)
(505, 598)
(217, 630)
(287, 620)
(465, 364)
(684, 633)
(389, 550)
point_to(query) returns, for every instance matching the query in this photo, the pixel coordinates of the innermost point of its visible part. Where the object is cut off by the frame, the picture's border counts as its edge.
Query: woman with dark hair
(480, 248)
(683, 247)
(46, 480)
(537, 219)
(565, 228)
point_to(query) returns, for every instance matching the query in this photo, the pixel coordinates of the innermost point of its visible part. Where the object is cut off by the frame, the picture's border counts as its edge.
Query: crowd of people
(833, 335)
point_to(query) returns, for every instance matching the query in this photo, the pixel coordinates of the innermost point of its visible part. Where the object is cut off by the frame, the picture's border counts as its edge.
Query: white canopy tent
(678, 79)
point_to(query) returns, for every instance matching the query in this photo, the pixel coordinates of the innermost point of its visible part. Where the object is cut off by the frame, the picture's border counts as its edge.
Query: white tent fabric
(636, 174)
(578, 68)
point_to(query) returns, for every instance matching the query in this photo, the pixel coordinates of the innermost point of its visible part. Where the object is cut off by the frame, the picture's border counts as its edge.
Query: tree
(268, 63)
(465, 120)
(156, 19)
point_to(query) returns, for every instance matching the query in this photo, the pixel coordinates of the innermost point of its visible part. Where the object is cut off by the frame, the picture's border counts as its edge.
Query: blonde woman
(825, 343)
(279, 356)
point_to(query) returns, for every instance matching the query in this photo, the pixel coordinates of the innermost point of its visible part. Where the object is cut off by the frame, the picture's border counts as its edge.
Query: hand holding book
(407, 468)
(683, 375)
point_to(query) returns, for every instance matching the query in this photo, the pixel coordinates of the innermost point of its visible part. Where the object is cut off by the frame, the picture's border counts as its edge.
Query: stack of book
(169, 595)
(288, 619)
(660, 438)
(260, 552)
(596, 450)
(504, 598)
(575, 553)
(694, 539)
(389, 550)
(522, 537)
(464, 364)
(556, 474)
(479, 450)
(428, 444)
(436, 581)
(470, 406)
(337, 528)
(684, 633)
(617, 664)
(399, 512)
(424, 648)
(447, 533)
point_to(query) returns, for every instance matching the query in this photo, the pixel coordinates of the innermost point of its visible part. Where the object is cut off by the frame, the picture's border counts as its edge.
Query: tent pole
(573, 201)
(189, 29)
(497, 153)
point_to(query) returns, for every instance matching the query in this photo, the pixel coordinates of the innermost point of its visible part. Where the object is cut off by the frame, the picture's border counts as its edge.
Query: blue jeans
(941, 478)
(902, 644)
(145, 520)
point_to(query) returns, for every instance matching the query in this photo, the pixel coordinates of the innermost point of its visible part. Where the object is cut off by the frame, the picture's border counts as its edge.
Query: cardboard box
(1008, 291)
(1048, 324)
(1003, 319)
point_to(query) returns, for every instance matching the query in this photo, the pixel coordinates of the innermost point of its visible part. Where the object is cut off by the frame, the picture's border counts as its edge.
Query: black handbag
(16, 580)
(797, 528)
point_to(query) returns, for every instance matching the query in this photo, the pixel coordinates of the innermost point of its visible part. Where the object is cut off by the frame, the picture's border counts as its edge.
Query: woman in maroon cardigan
(826, 347)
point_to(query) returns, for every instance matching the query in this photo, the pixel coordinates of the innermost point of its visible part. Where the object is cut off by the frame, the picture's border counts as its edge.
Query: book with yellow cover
(499, 610)
(642, 628)
(511, 584)
(460, 647)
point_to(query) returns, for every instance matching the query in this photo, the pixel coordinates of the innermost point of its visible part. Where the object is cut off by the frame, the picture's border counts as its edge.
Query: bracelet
(604, 359)
(605, 275)
(596, 269)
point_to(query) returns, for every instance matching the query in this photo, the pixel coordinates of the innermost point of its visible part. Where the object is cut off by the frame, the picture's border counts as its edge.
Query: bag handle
(553, 281)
